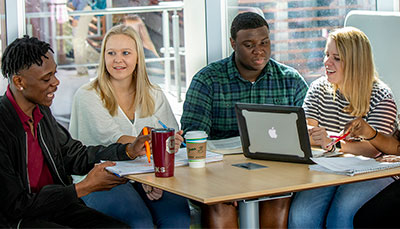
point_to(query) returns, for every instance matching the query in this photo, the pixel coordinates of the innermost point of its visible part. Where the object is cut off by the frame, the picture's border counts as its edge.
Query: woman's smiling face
(120, 56)
(334, 67)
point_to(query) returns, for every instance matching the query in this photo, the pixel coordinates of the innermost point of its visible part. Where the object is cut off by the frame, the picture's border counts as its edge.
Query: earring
(21, 88)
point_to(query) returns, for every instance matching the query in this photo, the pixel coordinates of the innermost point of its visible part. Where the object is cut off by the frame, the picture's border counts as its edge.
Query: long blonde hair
(143, 100)
(359, 70)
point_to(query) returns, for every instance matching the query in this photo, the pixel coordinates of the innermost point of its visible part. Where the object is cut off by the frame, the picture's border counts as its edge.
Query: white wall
(386, 5)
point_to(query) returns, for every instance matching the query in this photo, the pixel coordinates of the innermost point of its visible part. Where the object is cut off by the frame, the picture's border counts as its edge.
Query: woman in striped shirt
(349, 90)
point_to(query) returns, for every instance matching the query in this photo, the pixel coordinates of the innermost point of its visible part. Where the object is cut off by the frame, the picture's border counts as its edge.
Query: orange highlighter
(146, 144)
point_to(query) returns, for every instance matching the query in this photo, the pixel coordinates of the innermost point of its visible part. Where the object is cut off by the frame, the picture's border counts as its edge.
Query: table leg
(248, 214)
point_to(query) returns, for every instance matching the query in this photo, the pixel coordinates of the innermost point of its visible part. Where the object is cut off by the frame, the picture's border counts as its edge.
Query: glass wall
(298, 33)
(3, 31)
(61, 23)
(75, 32)
(3, 40)
(299, 28)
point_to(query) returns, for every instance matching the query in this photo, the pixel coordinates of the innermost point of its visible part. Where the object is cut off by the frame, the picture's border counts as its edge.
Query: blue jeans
(129, 204)
(332, 207)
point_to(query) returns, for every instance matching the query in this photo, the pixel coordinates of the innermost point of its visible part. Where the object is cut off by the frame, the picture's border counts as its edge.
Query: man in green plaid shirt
(249, 75)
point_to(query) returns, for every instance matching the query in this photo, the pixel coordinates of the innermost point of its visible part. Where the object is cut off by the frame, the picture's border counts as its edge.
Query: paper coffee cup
(196, 146)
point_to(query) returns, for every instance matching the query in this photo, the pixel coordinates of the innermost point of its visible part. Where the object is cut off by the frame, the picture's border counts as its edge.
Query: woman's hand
(320, 137)
(178, 140)
(389, 158)
(151, 192)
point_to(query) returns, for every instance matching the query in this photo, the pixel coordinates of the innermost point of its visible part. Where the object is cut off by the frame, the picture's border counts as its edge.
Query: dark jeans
(382, 211)
(130, 204)
(74, 216)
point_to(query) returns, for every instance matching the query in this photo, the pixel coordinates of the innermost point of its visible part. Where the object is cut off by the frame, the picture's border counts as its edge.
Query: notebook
(141, 165)
(273, 132)
(351, 165)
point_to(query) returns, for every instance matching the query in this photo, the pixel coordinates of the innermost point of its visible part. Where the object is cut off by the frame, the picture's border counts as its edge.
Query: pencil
(338, 139)
(146, 144)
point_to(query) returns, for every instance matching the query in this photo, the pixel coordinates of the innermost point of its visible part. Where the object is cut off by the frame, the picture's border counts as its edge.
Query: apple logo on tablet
(272, 133)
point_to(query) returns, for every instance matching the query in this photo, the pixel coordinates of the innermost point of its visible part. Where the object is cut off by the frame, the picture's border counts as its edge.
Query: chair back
(383, 31)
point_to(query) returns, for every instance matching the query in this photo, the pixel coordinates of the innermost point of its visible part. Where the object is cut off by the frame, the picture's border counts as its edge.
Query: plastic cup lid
(196, 134)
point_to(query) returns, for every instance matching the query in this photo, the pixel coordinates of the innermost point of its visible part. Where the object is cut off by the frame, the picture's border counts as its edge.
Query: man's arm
(197, 109)
(99, 179)
(382, 118)
(17, 201)
(385, 143)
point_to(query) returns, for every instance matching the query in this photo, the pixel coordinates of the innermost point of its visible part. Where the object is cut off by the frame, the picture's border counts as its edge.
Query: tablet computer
(271, 132)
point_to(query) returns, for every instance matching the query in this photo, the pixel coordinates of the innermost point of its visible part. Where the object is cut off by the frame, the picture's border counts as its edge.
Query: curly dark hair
(22, 53)
(247, 20)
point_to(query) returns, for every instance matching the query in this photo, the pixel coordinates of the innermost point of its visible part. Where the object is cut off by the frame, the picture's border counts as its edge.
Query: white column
(15, 19)
(195, 38)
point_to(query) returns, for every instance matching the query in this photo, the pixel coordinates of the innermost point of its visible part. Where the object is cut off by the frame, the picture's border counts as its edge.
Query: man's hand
(98, 179)
(151, 192)
(74, 23)
(137, 147)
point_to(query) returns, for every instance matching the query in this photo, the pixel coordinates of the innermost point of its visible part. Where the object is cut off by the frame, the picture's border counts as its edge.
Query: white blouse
(92, 124)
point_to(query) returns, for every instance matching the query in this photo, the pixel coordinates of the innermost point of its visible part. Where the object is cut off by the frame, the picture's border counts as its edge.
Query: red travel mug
(163, 147)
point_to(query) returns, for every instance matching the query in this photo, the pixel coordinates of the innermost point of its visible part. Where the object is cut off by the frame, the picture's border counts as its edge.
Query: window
(76, 39)
(299, 28)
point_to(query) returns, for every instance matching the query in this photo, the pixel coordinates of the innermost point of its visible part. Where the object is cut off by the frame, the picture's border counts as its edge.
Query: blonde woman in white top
(114, 108)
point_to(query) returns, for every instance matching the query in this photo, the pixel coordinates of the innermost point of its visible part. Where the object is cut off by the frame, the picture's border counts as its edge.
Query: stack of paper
(350, 165)
(141, 165)
(225, 146)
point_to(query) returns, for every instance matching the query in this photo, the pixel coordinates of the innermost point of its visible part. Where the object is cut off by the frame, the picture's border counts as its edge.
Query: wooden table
(222, 182)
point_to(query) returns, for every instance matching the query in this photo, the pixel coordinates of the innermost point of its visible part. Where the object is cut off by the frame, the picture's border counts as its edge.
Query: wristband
(332, 149)
(127, 154)
(338, 145)
(369, 139)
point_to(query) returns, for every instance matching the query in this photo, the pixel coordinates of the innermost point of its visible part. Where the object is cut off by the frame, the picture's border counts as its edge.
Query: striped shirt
(321, 106)
(214, 91)
(396, 133)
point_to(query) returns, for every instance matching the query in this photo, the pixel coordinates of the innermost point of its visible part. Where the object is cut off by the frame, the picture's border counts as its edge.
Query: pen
(146, 144)
(164, 126)
(338, 139)
(116, 174)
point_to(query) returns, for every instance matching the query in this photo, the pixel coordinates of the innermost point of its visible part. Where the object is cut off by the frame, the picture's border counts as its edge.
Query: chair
(383, 31)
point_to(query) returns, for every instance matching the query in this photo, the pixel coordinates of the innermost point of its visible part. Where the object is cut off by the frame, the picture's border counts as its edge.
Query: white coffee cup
(196, 146)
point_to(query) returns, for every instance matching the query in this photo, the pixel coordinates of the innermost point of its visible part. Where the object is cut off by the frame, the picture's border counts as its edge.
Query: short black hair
(247, 20)
(21, 54)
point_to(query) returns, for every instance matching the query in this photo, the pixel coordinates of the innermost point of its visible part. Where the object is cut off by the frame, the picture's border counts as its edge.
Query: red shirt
(38, 172)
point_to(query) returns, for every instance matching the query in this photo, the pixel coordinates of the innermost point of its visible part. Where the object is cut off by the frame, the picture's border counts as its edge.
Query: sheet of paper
(225, 146)
(350, 165)
(141, 165)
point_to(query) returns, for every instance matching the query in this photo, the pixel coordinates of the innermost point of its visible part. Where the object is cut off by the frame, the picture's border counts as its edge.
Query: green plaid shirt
(214, 90)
